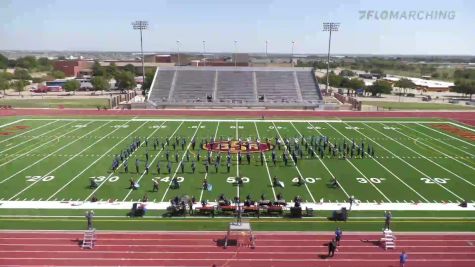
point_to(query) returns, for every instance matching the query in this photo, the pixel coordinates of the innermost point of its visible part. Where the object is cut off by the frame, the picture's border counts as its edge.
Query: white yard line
(384, 167)
(356, 168)
(267, 167)
(321, 161)
(34, 129)
(436, 139)
(295, 165)
(428, 159)
(237, 165)
(94, 162)
(52, 153)
(51, 140)
(182, 157)
(67, 161)
(448, 135)
(416, 169)
(153, 160)
(10, 123)
(206, 174)
(446, 155)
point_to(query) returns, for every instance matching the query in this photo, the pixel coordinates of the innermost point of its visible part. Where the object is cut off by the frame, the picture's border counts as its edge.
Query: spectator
(89, 217)
(387, 220)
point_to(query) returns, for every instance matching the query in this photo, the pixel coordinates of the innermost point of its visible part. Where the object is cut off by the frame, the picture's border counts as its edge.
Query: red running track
(467, 117)
(205, 249)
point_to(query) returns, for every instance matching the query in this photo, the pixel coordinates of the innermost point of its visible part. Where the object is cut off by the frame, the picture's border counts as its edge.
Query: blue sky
(105, 25)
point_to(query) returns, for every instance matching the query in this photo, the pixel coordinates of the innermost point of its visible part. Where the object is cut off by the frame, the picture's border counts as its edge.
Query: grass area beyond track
(416, 106)
(55, 103)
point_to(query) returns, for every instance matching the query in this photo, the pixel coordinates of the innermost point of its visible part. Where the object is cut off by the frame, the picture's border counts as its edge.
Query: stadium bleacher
(240, 86)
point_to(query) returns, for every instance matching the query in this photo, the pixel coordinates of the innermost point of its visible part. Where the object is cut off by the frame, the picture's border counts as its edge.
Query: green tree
(97, 69)
(380, 87)
(4, 84)
(125, 80)
(129, 68)
(355, 84)
(44, 64)
(405, 84)
(19, 86)
(21, 74)
(57, 74)
(347, 73)
(28, 62)
(3, 62)
(464, 86)
(100, 83)
(112, 70)
(72, 86)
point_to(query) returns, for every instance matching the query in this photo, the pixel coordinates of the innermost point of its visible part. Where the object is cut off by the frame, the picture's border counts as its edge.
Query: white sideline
(62, 164)
(106, 205)
(154, 158)
(295, 165)
(59, 149)
(410, 165)
(94, 162)
(384, 167)
(267, 166)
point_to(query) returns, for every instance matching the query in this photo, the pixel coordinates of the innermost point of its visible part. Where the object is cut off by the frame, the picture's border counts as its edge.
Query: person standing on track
(387, 221)
(89, 217)
(338, 234)
(402, 259)
(331, 248)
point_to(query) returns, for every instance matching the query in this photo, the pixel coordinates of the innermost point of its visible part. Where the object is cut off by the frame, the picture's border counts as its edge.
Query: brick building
(72, 68)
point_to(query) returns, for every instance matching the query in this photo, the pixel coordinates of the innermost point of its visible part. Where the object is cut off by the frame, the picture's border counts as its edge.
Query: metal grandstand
(188, 86)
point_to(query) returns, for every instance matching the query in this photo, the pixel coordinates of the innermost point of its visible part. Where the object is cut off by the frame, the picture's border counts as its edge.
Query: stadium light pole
(329, 27)
(292, 57)
(204, 51)
(141, 25)
(178, 51)
(235, 53)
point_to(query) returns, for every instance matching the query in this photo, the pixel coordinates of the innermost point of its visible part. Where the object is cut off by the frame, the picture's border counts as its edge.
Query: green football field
(54, 159)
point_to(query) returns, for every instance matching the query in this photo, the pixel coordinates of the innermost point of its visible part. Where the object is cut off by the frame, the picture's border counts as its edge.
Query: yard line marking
(384, 167)
(446, 155)
(356, 168)
(453, 137)
(267, 166)
(36, 162)
(36, 128)
(206, 174)
(35, 137)
(10, 123)
(410, 165)
(237, 165)
(182, 157)
(62, 164)
(433, 162)
(94, 162)
(321, 161)
(295, 165)
(52, 140)
(153, 160)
